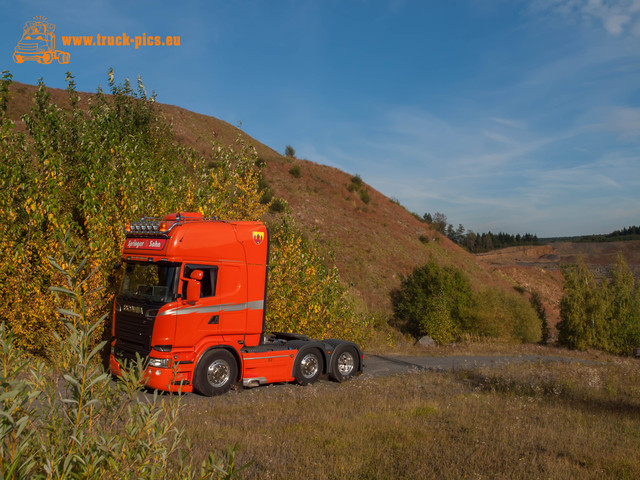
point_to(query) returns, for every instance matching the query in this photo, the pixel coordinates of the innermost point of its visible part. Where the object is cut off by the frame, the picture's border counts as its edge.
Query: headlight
(159, 362)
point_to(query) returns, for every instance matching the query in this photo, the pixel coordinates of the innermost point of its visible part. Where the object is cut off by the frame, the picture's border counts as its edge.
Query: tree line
(627, 233)
(477, 242)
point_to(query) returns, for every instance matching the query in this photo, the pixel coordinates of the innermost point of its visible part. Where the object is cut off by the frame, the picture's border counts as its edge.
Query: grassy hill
(374, 239)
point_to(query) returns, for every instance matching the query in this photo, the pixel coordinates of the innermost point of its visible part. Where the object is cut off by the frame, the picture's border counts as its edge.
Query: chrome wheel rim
(345, 364)
(218, 373)
(309, 365)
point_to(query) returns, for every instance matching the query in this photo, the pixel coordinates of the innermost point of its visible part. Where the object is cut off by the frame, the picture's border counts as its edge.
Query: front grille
(127, 353)
(133, 334)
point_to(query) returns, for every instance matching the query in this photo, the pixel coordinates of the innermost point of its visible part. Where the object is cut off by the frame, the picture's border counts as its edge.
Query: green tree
(581, 308)
(624, 307)
(289, 151)
(601, 314)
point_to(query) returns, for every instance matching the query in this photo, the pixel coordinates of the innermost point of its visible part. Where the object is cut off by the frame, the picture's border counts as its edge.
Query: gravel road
(380, 365)
(377, 365)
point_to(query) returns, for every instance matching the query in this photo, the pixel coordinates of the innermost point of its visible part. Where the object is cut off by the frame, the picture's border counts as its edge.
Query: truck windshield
(153, 282)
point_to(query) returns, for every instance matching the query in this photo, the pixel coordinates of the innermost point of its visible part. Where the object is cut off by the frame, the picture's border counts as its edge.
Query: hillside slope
(374, 241)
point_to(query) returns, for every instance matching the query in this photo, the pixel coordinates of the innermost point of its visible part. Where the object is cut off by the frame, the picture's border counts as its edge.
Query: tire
(216, 373)
(308, 366)
(63, 57)
(344, 364)
(46, 58)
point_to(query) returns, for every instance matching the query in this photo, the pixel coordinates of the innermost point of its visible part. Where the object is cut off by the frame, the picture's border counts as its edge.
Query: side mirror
(193, 286)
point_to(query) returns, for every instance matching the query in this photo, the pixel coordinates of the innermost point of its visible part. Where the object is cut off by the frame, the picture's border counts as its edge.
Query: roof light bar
(149, 226)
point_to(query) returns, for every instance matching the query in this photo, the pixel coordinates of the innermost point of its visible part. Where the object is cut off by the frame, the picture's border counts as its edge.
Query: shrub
(295, 171)
(364, 196)
(266, 194)
(90, 172)
(438, 301)
(432, 301)
(495, 313)
(356, 181)
(278, 206)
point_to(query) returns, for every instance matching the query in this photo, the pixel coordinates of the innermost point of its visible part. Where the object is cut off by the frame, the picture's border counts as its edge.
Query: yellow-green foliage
(495, 313)
(601, 314)
(72, 421)
(433, 301)
(439, 302)
(89, 172)
(304, 292)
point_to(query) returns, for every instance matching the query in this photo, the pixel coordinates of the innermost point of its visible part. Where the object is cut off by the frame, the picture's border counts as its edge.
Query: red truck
(193, 305)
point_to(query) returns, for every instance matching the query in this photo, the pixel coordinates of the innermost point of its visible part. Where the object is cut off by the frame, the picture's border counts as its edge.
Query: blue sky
(514, 116)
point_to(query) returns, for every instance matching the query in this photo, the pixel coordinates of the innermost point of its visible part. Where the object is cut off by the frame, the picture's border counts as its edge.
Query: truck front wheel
(308, 367)
(217, 371)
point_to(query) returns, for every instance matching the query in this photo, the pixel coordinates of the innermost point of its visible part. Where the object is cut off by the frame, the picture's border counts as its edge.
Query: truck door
(220, 311)
(201, 319)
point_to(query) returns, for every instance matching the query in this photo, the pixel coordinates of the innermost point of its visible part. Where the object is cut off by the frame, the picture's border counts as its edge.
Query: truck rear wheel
(344, 364)
(308, 367)
(217, 371)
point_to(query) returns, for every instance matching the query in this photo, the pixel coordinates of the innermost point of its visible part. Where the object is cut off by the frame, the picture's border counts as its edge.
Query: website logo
(38, 43)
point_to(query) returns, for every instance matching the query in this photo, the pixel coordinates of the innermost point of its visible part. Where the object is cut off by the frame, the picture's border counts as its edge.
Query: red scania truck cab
(193, 303)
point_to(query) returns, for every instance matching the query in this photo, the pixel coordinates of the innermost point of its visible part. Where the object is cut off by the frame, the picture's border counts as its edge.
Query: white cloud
(618, 17)
(625, 121)
(509, 122)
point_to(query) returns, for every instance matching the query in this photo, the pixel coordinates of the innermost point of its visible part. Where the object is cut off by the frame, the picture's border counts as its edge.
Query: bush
(438, 301)
(495, 313)
(364, 196)
(432, 301)
(356, 181)
(278, 206)
(90, 172)
(295, 171)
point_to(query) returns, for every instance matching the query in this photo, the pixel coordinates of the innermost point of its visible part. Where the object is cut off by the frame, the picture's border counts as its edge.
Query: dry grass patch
(521, 421)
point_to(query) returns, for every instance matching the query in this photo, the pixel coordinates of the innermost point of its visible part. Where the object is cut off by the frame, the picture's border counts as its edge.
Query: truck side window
(208, 282)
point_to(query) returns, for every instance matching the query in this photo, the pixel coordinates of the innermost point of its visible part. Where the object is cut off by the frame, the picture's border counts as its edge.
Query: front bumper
(164, 379)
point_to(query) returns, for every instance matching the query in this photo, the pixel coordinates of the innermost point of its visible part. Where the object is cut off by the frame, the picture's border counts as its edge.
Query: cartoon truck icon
(39, 43)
